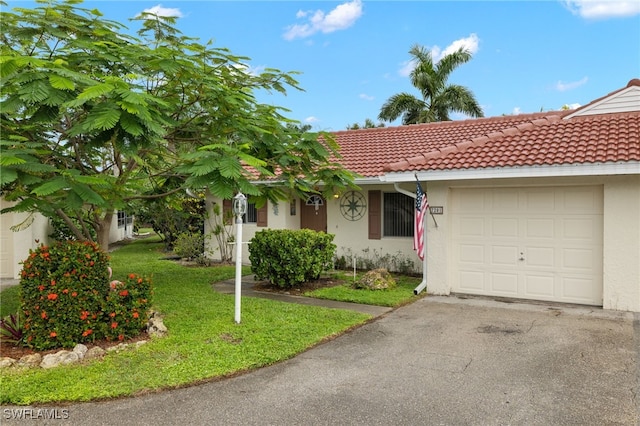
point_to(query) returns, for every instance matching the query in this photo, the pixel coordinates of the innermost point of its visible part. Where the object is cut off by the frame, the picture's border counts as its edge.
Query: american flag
(422, 205)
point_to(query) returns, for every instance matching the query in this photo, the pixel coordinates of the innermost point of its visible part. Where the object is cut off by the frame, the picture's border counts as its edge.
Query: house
(542, 206)
(21, 232)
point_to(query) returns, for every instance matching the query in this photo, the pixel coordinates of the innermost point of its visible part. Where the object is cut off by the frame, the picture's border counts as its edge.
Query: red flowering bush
(126, 307)
(66, 298)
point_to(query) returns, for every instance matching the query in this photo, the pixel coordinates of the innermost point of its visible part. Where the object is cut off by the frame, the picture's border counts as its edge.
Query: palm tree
(438, 97)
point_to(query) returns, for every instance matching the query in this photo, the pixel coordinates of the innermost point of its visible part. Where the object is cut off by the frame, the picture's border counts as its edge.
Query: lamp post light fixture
(239, 209)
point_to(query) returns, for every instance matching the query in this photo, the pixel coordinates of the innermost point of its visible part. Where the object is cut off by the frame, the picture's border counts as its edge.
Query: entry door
(530, 243)
(313, 214)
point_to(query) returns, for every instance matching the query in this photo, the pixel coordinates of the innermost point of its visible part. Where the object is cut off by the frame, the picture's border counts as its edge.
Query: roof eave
(560, 170)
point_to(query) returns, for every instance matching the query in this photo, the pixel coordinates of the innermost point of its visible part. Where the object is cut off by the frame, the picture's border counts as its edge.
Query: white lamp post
(239, 209)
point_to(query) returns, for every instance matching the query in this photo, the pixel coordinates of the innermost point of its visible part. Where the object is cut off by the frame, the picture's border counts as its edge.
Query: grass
(203, 343)
(398, 296)
(9, 301)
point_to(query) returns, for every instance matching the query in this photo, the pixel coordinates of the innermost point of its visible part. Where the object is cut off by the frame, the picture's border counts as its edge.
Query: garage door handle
(521, 256)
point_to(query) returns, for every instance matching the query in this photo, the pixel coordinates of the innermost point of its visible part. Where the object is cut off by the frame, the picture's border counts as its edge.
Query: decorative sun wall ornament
(353, 205)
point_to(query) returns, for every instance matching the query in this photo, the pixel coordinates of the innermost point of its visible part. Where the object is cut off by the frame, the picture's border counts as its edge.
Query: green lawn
(398, 296)
(203, 341)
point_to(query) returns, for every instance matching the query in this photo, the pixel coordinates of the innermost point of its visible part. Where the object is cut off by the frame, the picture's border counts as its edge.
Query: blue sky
(353, 55)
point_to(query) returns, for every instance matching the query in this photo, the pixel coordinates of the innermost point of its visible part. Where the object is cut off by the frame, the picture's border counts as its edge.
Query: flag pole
(423, 284)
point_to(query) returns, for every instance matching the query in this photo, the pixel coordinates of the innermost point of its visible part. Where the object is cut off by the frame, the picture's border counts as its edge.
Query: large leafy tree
(437, 98)
(94, 118)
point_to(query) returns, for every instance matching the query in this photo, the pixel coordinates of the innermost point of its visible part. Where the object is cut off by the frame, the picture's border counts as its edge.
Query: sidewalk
(248, 282)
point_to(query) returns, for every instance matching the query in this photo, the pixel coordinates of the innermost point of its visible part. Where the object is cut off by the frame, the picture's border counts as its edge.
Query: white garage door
(531, 243)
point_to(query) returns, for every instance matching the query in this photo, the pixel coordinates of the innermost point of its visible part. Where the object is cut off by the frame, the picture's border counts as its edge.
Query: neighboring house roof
(606, 130)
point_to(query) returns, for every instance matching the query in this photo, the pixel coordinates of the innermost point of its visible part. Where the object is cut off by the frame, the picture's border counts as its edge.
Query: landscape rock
(5, 362)
(155, 326)
(59, 358)
(81, 350)
(93, 353)
(376, 279)
(32, 360)
(117, 348)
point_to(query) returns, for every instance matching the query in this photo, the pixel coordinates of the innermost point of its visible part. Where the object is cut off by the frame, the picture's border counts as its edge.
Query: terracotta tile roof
(369, 152)
(548, 141)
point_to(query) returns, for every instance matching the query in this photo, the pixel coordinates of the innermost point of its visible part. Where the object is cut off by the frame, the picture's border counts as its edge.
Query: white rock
(81, 350)
(32, 360)
(93, 353)
(5, 362)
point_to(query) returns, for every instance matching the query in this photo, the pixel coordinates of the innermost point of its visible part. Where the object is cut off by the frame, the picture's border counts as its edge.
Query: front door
(313, 214)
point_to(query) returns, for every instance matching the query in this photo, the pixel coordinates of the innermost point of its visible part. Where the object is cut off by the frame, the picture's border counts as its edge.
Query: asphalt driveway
(438, 361)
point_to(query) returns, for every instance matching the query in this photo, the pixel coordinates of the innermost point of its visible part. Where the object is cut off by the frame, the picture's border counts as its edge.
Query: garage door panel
(540, 286)
(471, 227)
(543, 257)
(580, 228)
(540, 228)
(540, 201)
(504, 227)
(473, 254)
(574, 288)
(505, 201)
(504, 255)
(471, 281)
(581, 200)
(538, 243)
(472, 201)
(578, 259)
(505, 284)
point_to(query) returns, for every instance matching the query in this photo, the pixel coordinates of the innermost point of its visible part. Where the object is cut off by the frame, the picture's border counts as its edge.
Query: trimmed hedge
(66, 297)
(287, 258)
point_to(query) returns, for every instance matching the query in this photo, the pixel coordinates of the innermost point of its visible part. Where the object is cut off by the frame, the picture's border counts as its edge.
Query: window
(124, 219)
(398, 215)
(252, 213)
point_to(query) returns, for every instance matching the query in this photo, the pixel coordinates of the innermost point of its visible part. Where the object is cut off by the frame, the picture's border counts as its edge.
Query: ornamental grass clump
(66, 297)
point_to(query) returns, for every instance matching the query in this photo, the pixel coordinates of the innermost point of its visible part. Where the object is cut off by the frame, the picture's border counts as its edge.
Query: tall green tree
(437, 98)
(93, 118)
(368, 124)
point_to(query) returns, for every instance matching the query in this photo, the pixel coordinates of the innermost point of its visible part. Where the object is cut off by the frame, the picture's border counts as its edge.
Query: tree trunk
(104, 229)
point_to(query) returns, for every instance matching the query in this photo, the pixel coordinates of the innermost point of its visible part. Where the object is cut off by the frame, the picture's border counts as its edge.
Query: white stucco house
(21, 232)
(542, 206)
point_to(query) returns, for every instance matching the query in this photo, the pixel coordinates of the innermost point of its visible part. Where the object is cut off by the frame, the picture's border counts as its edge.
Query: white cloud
(311, 119)
(366, 97)
(516, 111)
(602, 9)
(164, 11)
(571, 106)
(340, 18)
(469, 43)
(406, 67)
(563, 87)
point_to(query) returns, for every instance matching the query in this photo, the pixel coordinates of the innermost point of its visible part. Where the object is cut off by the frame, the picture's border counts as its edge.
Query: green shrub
(287, 258)
(65, 294)
(126, 307)
(189, 245)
